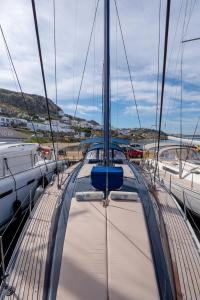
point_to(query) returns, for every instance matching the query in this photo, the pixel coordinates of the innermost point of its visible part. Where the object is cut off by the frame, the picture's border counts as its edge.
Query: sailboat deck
(106, 253)
(27, 267)
(184, 251)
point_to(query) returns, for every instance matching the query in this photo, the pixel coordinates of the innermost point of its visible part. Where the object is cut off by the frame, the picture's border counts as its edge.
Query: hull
(16, 190)
(188, 197)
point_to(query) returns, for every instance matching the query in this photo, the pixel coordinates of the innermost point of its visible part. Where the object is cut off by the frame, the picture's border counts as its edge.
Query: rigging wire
(102, 91)
(18, 82)
(191, 143)
(74, 45)
(158, 61)
(94, 63)
(42, 71)
(181, 111)
(170, 55)
(179, 50)
(86, 58)
(117, 72)
(163, 80)
(181, 87)
(129, 70)
(55, 83)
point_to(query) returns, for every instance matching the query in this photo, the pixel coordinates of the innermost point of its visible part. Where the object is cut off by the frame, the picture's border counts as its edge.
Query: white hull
(18, 188)
(188, 197)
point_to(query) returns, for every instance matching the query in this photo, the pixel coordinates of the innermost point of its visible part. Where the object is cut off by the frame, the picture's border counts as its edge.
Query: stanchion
(8, 289)
(184, 206)
(30, 202)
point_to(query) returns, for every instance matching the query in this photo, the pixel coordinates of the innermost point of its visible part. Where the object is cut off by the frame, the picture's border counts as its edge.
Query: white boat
(22, 171)
(179, 168)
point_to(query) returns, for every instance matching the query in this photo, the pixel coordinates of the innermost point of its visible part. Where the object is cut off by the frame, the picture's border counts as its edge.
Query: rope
(55, 81)
(17, 78)
(129, 70)
(83, 73)
(158, 70)
(163, 80)
(11, 173)
(117, 72)
(191, 143)
(94, 63)
(42, 70)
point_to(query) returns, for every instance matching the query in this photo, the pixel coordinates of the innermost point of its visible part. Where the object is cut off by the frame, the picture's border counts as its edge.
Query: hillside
(12, 103)
(147, 133)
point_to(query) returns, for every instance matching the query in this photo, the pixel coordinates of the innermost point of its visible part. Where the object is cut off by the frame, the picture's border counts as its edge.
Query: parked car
(136, 146)
(132, 152)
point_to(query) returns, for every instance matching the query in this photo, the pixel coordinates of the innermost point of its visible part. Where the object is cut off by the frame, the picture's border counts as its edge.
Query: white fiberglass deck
(106, 252)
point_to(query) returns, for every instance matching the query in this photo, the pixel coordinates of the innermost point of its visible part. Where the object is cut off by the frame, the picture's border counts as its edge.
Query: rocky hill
(12, 103)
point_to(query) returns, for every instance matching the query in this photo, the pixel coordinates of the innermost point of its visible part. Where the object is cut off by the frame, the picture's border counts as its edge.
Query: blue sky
(139, 19)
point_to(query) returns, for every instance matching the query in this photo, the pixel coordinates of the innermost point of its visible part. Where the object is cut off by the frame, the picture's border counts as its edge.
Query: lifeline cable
(55, 82)
(42, 70)
(17, 78)
(163, 81)
(83, 73)
(129, 70)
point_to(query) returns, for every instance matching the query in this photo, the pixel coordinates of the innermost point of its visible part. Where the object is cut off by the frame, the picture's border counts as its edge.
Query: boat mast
(106, 82)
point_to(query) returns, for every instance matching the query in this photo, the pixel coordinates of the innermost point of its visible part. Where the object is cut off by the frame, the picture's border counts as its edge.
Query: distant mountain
(12, 103)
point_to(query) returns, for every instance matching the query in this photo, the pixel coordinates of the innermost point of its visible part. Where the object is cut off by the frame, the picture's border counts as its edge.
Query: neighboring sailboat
(179, 168)
(23, 168)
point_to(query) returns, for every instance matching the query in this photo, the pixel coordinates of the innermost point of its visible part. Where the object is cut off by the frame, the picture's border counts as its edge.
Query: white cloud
(81, 109)
(139, 21)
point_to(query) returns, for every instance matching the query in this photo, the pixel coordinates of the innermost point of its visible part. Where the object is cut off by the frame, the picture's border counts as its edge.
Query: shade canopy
(100, 146)
(100, 139)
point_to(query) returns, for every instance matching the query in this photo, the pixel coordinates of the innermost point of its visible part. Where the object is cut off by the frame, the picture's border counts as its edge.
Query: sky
(139, 21)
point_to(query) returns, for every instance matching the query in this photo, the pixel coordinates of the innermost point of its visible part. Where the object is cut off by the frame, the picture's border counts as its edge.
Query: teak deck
(27, 269)
(106, 251)
(183, 247)
(97, 262)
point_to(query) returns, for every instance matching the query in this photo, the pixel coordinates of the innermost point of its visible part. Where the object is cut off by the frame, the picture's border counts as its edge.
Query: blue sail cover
(110, 176)
(100, 139)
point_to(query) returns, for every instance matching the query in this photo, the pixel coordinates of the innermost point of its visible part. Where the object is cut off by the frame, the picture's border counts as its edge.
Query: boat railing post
(184, 205)
(9, 289)
(170, 183)
(2, 259)
(43, 182)
(30, 201)
(158, 173)
(192, 181)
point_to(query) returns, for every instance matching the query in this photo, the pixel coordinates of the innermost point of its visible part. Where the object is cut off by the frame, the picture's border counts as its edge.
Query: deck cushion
(102, 176)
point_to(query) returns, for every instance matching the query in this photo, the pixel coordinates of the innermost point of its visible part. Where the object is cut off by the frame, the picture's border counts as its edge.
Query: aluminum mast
(106, 82)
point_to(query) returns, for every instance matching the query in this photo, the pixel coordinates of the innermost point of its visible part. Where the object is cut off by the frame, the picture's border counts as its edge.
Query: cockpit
(95, 154)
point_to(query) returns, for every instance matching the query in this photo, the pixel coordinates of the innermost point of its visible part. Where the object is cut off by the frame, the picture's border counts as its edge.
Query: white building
(56, 127)
(4, 121)
(74, 123)
(97, 127)
(65, 119)
(61, 113)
